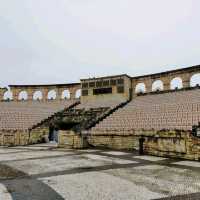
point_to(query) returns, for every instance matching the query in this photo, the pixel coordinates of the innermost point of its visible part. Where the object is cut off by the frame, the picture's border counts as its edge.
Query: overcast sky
(61, 41)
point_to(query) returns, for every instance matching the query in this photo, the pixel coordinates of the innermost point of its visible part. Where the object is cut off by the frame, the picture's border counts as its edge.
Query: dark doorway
(51, 133)
(141, 146)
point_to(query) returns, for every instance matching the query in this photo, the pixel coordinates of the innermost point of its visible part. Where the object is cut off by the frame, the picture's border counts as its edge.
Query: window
(102, 91)
(120, 89)
(84, 92)
(120, 81)
(113, 82)
(92, 84)
(85, 85)
(99, 84)
(106, 83)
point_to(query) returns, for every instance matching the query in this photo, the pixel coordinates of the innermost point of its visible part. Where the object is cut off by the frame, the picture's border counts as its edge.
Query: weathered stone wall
(21, 138)
(116, 94)
(114, 142)
(70, 139)
(184, 74)
(44, 89)
(14, 138)
(177, 144)
(39, 134)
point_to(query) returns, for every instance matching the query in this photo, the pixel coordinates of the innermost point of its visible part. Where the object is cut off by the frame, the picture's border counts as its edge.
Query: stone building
(157, 114)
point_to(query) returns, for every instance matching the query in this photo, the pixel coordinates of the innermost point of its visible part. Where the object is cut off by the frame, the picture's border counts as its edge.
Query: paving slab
(98, 186)
(116, 153)
(188, 163)
(109, 160)
(150, 158)
(70, 174)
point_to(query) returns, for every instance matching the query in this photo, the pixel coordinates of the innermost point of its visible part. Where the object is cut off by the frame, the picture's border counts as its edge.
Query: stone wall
(44, 89)
(70, 139)
(39, 134)
(177, 144)
(14, 138)
(185, 74)
(21, 138)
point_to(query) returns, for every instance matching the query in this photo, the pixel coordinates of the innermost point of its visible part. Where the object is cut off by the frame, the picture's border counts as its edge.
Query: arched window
(140, 88)
(176, 83)
(195, 80)
(51, 95)
(8, 95)
(23, 96)
(65, 94)
(37, 95)
(78, 94)
(157, 86)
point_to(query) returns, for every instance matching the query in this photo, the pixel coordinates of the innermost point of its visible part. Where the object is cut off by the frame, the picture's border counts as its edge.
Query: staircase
(107, 114)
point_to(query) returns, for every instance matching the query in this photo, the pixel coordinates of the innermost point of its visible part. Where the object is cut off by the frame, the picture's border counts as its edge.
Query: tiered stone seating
(174, 110)
(24, 115)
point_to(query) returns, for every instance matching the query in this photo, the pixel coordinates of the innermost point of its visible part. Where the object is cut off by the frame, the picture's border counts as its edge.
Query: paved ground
(42, 172)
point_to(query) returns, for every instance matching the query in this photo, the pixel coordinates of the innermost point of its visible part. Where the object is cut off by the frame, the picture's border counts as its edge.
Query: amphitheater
(156, 114)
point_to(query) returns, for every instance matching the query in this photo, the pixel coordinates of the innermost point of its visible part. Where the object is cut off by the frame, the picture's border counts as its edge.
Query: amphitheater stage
(45, 172)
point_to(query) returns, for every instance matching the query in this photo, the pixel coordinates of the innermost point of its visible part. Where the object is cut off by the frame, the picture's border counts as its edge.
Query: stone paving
(44, 172)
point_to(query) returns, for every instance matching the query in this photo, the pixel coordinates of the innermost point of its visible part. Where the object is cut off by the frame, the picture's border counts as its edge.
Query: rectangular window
(120, 81)
(84, 85)
(84, 92)
(120, 89)
(102, 91)
(113, 82)
(99, 84)
(92, 84)
(106, 83)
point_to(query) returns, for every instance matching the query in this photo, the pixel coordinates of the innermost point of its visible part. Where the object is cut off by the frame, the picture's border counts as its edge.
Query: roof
(46, 85)
(192, 68)
(106, 77)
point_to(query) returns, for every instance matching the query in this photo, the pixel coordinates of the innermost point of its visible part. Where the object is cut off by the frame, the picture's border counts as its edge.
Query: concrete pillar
(148, 83)
(30, 93)
(72, 92)
(59, 93)
(186, 80)
(166, 83)
(2, 91)
(15, 93)
(45, 94)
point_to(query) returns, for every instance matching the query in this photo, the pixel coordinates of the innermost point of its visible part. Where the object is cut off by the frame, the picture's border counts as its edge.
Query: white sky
(61, 41)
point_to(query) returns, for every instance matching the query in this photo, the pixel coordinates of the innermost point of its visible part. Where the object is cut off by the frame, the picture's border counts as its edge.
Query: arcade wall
(169, 80)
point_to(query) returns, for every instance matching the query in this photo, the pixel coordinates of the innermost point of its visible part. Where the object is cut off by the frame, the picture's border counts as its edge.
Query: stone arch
(195, 80)
(8, 95)
(78, 94)
(37, 95)
(23, 95)
(140, 88)
(65, 94)
(51, 95)
(157, 86)
(176, 83)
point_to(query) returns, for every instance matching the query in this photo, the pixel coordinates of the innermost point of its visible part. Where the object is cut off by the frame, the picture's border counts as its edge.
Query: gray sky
(61, 41)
